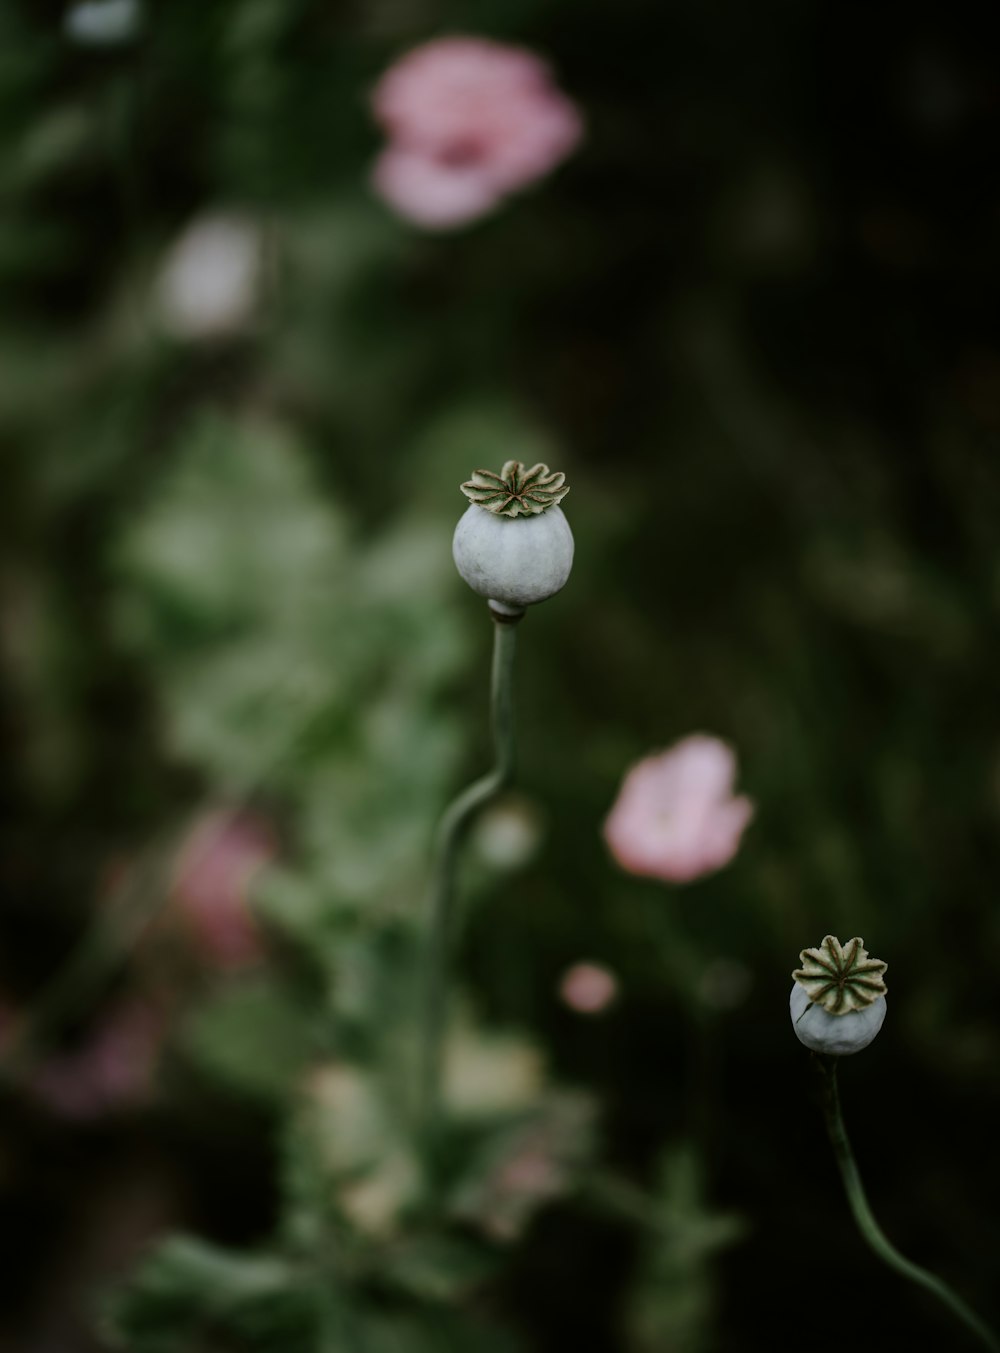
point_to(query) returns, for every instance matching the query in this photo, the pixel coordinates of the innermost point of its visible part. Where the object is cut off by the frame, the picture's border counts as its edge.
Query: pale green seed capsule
(514, 545)
(836, 1035)
(838, 1000)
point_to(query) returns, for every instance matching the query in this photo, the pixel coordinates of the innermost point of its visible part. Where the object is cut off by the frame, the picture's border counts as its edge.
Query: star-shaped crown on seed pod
(515, 491)
(841, 978)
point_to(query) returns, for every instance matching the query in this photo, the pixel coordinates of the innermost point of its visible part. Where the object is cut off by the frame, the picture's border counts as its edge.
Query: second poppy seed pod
(514, 545)
(837, 1002)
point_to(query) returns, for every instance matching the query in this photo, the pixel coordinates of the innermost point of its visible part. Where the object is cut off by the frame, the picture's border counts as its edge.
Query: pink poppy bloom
(469, 120)
(676, 817)
(216, 867)
(588, 988)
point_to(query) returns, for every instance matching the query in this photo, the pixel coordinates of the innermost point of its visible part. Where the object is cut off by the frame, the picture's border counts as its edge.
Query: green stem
(867, 1224)
(457, 817)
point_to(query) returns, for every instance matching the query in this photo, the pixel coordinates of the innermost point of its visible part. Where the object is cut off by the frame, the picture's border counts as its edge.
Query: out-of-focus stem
(867, 1224)
(455, 820)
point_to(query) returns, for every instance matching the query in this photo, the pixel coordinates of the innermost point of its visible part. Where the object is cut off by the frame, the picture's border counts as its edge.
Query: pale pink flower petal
(423, 93)
(431, 193)
(588, 988)
(676, 817)
(469, 120)
(216, 866)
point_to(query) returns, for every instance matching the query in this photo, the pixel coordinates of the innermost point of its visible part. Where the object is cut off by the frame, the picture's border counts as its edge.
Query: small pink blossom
(216, 867)
(469, 120)
(675, 817)
(588, 988)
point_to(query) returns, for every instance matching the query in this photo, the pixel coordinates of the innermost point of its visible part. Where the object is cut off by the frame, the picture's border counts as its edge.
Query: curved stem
(867, 1224)
(457, 817)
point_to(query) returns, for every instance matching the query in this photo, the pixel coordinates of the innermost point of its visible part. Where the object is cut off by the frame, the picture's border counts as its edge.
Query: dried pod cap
(837, 1002)
(841, 977)
(514, 545)
(516, 491)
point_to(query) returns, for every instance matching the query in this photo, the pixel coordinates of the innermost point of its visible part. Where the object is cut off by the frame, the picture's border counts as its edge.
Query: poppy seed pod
(514, 545)
(837, 1002)
(836, 1035)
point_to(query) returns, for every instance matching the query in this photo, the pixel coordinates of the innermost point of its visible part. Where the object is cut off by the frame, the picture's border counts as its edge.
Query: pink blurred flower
(675, 817)
(588, 988)
(211, 888)
(431, 193)
(113, 1069)
(469, 121)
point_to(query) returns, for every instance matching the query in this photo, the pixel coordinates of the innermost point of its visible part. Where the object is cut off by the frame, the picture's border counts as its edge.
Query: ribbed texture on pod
(841, 977)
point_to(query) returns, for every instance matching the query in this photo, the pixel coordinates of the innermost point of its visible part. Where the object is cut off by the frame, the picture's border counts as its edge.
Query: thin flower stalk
(869, 1227)
(457, 817)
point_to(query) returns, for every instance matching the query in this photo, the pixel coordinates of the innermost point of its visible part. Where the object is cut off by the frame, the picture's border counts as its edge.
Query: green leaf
(254, 1037)
(346, 1152)
(288, 655)
(238, 534)
(516, 1171)
(674, 1293)
(437, 1268)
(188, 1294)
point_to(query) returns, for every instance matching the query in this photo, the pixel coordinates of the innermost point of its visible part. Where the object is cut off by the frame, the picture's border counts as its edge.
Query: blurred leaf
(673, 1298)
(238, 536)
(51, 145)
(354, 1148)
(289, 655)
(518, 1169)
(254, 1037)
(489, 1074)
(188, 1296)
(437, 1268)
